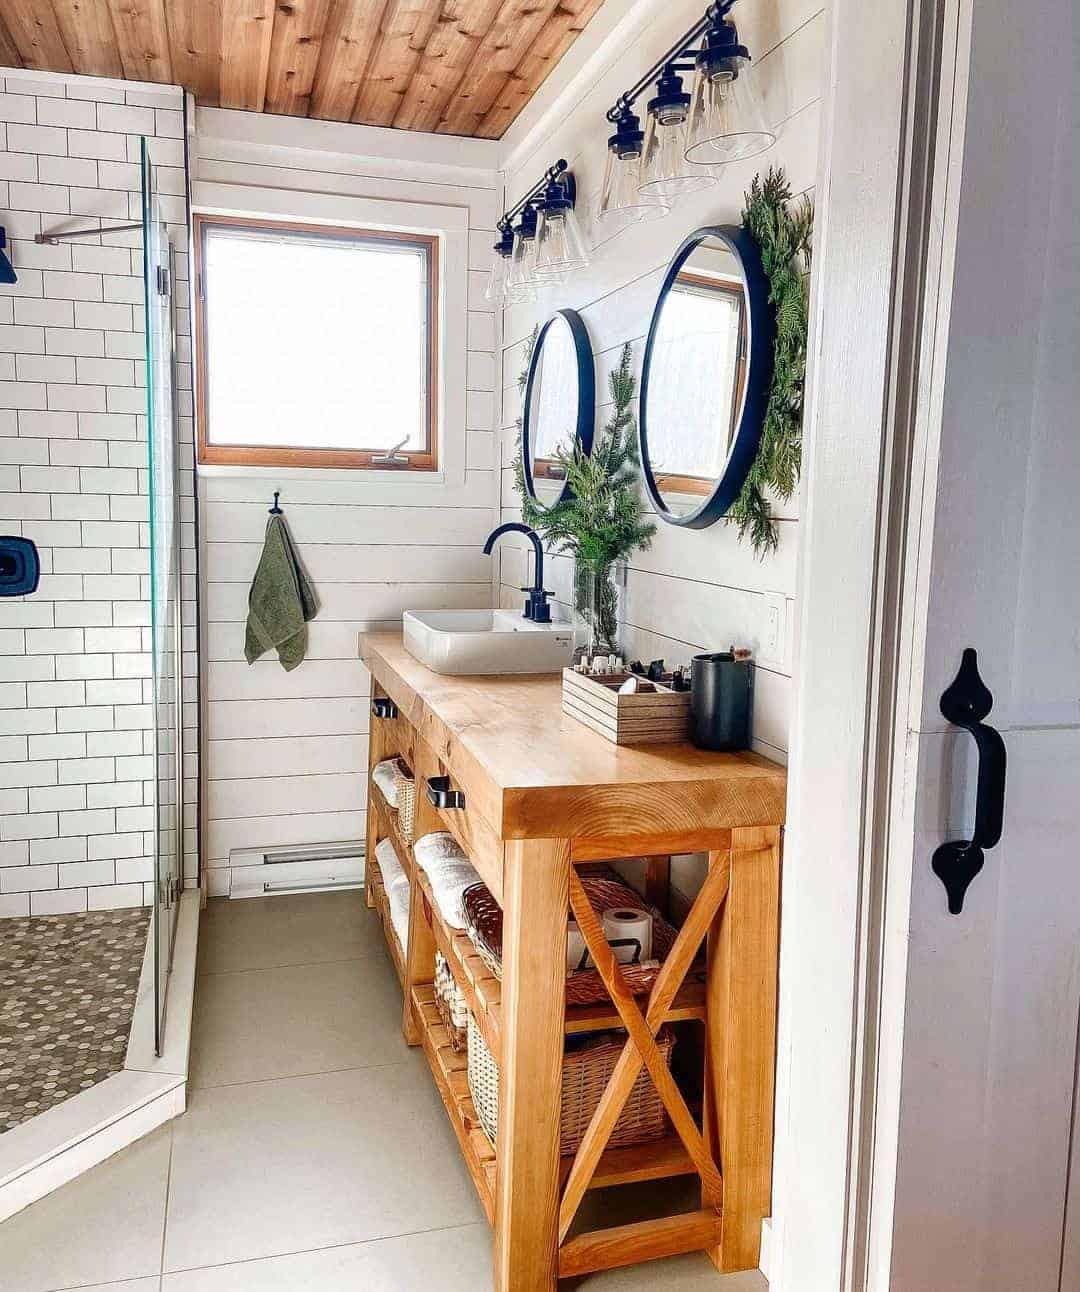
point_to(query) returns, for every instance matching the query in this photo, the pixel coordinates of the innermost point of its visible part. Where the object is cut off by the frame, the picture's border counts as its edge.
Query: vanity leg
(535, 901)
(741, 1042)
(658, 883)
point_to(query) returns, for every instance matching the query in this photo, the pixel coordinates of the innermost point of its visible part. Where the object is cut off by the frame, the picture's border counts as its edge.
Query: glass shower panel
(164, 581)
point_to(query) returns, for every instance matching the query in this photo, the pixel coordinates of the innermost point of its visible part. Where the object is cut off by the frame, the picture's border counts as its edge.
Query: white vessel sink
(486, 641)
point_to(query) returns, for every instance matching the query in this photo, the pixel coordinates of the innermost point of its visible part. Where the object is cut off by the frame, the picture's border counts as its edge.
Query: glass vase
(599, 588)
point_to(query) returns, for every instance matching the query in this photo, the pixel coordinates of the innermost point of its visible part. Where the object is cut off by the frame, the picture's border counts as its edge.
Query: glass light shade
(621, 200)
(521, 279)
(560, 248)
(665, 172)
(727, 118)
(495, 291)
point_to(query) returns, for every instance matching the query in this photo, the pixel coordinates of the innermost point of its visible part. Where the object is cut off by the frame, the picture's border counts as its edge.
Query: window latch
(392, 458)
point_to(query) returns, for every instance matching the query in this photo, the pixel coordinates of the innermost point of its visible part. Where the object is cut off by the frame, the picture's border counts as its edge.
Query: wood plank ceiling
(460, 67)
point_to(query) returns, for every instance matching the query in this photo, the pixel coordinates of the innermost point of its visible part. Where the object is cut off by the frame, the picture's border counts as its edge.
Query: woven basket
(406, 797)
(483, 922)
(450, 1003)
(587, 1066)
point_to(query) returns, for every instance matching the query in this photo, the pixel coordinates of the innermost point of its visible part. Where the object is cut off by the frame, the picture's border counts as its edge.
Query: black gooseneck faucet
(536, 608)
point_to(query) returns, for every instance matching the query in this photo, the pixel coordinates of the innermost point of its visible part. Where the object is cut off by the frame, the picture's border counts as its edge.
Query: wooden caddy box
(656, 717)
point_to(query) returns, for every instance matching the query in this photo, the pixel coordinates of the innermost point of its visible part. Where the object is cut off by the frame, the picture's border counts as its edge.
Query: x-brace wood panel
(641, 1048)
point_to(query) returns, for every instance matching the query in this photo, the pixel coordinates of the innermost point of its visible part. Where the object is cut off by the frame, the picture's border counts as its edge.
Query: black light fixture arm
(556, 174)
(683, 46)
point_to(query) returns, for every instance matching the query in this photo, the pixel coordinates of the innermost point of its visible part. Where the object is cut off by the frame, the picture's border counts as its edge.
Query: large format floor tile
(101, 1228)
(267, 932)
(287, 1166)
(259, 1024)
(442, 1260)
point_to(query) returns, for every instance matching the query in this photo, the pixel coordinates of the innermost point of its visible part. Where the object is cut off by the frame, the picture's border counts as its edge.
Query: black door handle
(383, 707)
(440, 794)
(966, 702)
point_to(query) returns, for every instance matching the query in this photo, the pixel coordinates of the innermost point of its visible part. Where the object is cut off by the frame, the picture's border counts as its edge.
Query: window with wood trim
(316, 345)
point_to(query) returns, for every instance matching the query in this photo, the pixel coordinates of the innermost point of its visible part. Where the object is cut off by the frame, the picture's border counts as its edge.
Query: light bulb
(727, 118)
(621, 200)
(665, 172)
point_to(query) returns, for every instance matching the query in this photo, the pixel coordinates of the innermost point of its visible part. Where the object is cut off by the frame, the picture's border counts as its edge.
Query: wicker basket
(406, 797)
(587, 1066)
(450, 1003)
(606, 892)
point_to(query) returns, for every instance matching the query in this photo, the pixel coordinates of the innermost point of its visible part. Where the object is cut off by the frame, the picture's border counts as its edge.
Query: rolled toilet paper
(633, 930)
(575, 948)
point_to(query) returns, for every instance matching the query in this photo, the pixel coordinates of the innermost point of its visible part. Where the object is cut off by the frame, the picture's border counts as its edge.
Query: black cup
(721, 701)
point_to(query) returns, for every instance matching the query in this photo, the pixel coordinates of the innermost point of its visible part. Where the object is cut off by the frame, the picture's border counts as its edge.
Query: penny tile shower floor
(67, 993)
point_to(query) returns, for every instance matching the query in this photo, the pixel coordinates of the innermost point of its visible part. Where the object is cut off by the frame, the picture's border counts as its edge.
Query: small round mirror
(705, 380)
(560, 405)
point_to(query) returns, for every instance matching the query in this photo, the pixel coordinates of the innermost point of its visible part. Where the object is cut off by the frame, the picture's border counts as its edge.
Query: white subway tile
(95, 314)
(89, 822)
(130, 507)
(41, 641)
(67, 112)
(125, 120)
(123, 287)
(85, 717)
(55, 425)
(22, 166)
(44, 312)
(131, 717)
(22, 395)
(114, 742)
(131, 560)
(61, 587)
(24, 506)
(18, 107)
(130, 666)
(12, 696)
(12, 748)
(77, 341)
(113, 639)
(115, 691)
(61, 746)
(88, 667)
(29, 721)
(58, 798)
(125, 399)
(55, 694)
(124, 345)
(111, 587)
(22, 138)
(53, 199)
(109, 533)
(25, 879)
(81, 88)
(86, 771)
(107, 426)
(78, 560)
(81, 171)
(14, 905)
(76, 873)
(95, 143)
(86, 506)
(50, 479)
(78, 453)
(114, 897)
(26, 668)
(104, 372)
(61, 901)
(72, 286)
(45, 367)
(51, 851)
(23, 340)
(77, 399)
(118, 794)
(35, 825)
(113, 845)
(84, 614)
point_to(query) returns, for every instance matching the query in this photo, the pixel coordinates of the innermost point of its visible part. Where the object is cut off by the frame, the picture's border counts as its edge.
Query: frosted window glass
(315, 343)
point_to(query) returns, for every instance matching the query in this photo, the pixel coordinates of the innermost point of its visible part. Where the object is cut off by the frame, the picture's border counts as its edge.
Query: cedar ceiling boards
(458, 67)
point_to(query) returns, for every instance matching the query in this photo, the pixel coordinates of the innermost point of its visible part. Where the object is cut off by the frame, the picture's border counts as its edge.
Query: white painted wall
(286, 753)
(76, 727)
(693, 590)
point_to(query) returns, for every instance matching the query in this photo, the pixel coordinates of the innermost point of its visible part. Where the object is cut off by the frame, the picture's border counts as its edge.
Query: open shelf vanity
(542, 795)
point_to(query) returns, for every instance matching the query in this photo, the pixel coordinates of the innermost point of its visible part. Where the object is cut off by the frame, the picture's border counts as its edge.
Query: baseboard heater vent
(314, 868)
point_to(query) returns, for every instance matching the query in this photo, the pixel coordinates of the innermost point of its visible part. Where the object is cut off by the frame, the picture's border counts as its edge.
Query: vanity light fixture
(686, 134)
(545, 243)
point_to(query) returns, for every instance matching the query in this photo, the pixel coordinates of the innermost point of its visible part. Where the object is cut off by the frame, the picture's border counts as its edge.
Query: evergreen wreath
(601, 521)
(783, 236)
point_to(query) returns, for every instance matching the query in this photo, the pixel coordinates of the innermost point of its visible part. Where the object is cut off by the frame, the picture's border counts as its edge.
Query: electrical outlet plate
(773, 649)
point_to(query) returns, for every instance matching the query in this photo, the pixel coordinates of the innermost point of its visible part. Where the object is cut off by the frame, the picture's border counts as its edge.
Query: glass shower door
(164, 583)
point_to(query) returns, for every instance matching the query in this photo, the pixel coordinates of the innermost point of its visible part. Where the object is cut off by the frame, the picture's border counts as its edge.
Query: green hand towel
(281, 600)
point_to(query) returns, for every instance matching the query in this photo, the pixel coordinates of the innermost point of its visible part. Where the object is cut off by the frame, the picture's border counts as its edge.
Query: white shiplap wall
(693, 590)
(76, 738)
(286, 752)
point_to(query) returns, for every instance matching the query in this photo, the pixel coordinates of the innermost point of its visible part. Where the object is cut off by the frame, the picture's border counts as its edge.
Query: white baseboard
(765, 1259)
(56, 1146)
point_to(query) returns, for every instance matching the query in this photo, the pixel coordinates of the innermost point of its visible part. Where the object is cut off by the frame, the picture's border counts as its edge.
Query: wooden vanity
(540, 796)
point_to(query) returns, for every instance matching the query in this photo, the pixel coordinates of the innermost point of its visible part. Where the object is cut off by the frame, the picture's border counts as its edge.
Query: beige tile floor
(315, 1155)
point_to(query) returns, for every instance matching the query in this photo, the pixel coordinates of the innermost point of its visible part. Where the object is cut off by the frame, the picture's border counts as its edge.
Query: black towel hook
(275, 510)
(965, 703)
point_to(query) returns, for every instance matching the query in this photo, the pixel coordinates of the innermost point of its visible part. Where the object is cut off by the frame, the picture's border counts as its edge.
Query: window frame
(267, 455)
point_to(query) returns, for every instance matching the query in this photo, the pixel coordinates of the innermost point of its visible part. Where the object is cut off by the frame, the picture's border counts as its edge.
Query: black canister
(721, 701)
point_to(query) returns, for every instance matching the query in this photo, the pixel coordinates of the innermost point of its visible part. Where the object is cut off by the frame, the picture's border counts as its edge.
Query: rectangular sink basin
(486, 641)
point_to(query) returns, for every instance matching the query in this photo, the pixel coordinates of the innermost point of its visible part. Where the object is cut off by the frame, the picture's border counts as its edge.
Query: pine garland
(602, 520)
(783, 236)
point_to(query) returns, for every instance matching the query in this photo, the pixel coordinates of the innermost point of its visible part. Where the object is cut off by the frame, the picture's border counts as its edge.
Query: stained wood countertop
(530, 768)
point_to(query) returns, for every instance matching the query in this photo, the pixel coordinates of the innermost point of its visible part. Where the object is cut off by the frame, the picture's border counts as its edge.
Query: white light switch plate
(774, 637)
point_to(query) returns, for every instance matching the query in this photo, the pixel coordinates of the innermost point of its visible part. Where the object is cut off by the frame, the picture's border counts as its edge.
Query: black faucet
(536, 608)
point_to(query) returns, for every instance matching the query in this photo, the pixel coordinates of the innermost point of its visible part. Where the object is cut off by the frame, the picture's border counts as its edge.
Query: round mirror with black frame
(706, 376)
(560, 406)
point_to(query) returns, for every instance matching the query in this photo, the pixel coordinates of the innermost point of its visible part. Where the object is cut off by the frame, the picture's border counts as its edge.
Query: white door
(988, 1071)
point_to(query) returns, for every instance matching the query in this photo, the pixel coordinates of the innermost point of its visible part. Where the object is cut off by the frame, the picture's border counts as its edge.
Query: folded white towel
(450, 873)
(389, 865)
(383, 776)
(398, 901)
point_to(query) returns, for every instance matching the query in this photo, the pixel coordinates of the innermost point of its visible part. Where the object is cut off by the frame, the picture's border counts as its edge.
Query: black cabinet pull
(966, 702)
(383, 707)
(440, 794)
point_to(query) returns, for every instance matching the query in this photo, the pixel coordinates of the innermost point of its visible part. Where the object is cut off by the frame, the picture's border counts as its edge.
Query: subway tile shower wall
(76, 728)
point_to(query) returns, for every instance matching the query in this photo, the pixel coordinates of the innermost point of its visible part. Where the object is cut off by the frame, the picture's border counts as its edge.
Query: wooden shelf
(451, 1079)
(390, 829)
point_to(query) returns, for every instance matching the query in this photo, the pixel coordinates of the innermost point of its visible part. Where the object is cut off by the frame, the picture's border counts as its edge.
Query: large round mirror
(560, 405)
(705, 380)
